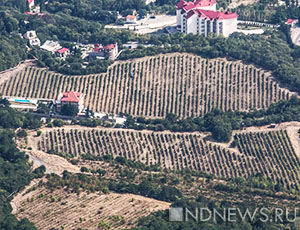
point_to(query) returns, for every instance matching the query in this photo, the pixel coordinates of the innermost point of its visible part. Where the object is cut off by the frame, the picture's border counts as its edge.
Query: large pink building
(200, 17)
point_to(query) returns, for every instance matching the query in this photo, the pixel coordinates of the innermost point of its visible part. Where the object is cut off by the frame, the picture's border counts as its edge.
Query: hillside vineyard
(183, 84)
(270, 153)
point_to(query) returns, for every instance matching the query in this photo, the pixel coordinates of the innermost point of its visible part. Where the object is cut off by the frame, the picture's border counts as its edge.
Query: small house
(291, 22)
(131, 19)
(111, 51)
(63, 53)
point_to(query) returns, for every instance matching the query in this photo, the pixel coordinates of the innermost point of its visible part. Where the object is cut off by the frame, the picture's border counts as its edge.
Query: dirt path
(21, 196)
(53, 163)
(6, 74)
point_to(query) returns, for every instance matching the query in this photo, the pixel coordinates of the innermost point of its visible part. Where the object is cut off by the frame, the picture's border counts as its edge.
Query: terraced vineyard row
(186, 85)
(272, 154)
(267, 153)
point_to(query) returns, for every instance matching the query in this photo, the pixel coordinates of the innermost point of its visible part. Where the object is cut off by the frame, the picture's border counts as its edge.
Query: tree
(4, 102)
(69, 110)
(222, 131)
(58, 123)
(42, 108)
(21, 133)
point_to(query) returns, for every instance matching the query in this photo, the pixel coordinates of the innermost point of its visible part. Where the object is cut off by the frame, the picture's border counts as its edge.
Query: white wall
(191, 24)
(229, 26)
(178, 17)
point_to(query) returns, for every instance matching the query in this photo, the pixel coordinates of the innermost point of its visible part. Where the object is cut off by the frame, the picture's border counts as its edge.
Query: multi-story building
(32, 38)
(200, 17)
(70, 98)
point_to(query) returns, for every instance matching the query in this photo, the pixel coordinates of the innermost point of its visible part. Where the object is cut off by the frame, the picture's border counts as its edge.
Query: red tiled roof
(30, 1)
(109, 47)
(193, 5)
(61, 51)
(190, 14)
(211, 14)
(289, 21)
(71, 97)
(180, 4)
(96, 49)
(130, 17)
(189, 6)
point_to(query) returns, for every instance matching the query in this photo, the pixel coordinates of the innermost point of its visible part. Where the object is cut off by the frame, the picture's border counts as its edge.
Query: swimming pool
(22, 101)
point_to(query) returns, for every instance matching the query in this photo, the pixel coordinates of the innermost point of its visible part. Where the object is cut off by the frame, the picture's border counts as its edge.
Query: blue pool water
(23, 101)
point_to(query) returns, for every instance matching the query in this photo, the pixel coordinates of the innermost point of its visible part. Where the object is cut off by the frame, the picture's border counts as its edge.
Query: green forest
(15, 172)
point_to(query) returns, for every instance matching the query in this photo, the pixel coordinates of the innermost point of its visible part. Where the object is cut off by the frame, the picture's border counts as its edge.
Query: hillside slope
(183, 84)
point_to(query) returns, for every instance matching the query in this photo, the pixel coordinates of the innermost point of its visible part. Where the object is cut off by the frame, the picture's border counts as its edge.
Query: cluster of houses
(200, 17)
(95, 51)
(98, 51)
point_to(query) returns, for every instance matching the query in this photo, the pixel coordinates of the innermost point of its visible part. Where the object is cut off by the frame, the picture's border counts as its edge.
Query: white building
(31, 5)
(130, 19)
(147, 2)
(200, 17)
(32, 37)
(33, 8)
(51, 46)
(131, 45)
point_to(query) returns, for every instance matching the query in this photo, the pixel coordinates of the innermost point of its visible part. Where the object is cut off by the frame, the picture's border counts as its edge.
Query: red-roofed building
(200, 17)
(131, 19)
(31, 2)
(63, 53)
(32, 7)
(70, 98)
(291, 22)
(111, 50)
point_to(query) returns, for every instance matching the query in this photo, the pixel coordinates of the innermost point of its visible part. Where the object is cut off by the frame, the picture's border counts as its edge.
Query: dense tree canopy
(14, 175)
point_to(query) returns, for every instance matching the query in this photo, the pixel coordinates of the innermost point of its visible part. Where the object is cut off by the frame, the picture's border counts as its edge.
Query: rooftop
(196, 4)
(130, 17)
(61, 51)
(71, 97)
(109, 47)
(211, 14)
(290, 21)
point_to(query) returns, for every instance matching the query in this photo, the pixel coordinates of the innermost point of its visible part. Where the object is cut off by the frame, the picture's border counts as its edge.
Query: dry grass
(87, 211)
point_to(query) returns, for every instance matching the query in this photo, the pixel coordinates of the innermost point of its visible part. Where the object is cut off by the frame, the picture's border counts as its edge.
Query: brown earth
(88, 211)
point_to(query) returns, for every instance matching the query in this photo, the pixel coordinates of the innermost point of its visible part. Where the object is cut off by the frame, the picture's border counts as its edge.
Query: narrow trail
(6, 74)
